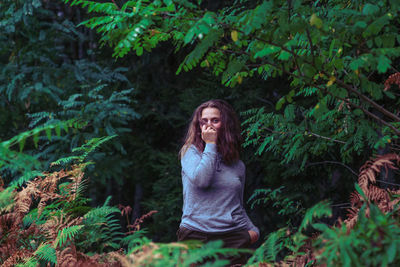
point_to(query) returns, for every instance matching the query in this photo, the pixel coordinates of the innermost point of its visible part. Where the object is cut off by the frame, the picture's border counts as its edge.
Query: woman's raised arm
(199, 167)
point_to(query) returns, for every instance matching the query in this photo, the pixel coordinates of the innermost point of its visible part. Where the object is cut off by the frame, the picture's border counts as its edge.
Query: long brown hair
(229, 137)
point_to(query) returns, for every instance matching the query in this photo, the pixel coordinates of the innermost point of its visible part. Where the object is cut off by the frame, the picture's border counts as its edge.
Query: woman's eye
(215, 121)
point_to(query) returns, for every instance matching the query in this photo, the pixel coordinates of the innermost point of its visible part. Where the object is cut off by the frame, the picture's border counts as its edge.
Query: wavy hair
(229, 135)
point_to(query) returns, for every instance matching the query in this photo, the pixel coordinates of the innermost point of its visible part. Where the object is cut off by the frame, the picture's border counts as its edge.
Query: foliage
(372, 241)
(368, 237)
(44, 218)
(180, 254)
(49, 75)
(22, 163)
(323, 80)
(287, 206)
(101, 230)
(334, 54)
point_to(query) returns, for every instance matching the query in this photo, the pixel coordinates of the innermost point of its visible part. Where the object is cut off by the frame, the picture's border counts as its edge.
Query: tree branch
(340, 82)
(397, 131)
(367, 99)
(327, 138)
(311, 46)
(332, 162)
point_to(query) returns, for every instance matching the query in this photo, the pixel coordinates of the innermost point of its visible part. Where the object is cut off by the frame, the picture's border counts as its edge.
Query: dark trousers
(236, 239)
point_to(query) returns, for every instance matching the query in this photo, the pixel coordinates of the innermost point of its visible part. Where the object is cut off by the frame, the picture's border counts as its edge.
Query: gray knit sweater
(213, 193)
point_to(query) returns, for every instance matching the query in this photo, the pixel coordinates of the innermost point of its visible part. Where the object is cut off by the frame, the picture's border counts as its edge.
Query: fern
(65, 234)
(184, 254)
(135, 241)
(285, 205)
(269, 250)
(84, 151)
(24, 163)
(211, 250)
(46, 253)
(322, 209)
(29, 262)
(101, 230)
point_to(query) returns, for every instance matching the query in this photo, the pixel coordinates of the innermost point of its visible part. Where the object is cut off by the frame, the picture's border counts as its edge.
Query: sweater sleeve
(199, 167)
(250, 225)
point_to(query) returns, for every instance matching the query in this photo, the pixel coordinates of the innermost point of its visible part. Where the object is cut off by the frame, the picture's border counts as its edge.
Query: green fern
(29, 262)
(46, 252)
(269, 250)
(135, 241)
(65, 234)
(84, 151)
(20, 162)
(320, 210)
(286, 205)
(102, 230)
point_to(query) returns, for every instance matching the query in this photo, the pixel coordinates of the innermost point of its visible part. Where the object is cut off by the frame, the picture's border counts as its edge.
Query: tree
(336, 56)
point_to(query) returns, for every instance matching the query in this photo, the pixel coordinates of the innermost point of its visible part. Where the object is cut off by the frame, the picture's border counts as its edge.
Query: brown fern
(367, 182)
(41, 190)
(136, 225)
(67, 257)
(393, 79)
(17, 257)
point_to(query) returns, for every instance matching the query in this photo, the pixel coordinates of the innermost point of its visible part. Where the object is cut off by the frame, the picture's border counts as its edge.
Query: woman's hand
(253, 236)
(209, 134)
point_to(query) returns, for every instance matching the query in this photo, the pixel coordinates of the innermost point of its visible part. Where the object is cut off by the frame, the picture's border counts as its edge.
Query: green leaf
(267, 51)
(370, 9)
(139, 51)
(360, 24)
(356, 64)
(234, 66)
(280, 102)
(36, 139)
(314, 20)
(189, 36)
(360, 191)
(22, 143)
(290, 95)
(48, 133)
(389, 94)
(58, 130)
(320, 108)
(284, 55)
(391, 252)
(383, 64)
(358, 112)
(376, 26)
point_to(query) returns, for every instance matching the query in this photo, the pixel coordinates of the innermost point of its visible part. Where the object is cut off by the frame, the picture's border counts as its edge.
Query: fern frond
(370, 169)
(46, 252)
(65, 234)
(29, 262)
(322, 209)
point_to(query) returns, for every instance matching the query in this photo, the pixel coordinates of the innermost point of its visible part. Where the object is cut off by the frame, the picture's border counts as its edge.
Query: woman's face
(211, 117)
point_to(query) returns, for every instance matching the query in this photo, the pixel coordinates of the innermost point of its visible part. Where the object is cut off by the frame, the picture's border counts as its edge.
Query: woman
(213, 178)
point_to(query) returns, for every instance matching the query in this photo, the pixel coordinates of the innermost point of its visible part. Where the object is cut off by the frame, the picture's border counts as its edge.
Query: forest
(96, 98)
